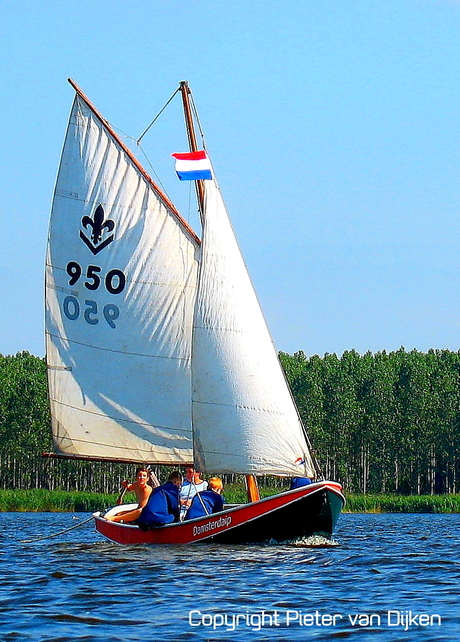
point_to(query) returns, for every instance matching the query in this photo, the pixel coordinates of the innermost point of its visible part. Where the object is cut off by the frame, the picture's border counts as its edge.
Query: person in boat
(191, 485)
(162, 506)
(206, 502)
(298, 482)
(142, 487)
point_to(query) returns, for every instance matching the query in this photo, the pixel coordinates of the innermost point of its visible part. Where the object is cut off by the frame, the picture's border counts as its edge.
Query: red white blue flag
(194, 166)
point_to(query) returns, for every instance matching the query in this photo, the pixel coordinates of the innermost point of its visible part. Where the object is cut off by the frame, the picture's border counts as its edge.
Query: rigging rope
(39, 539)
(197, 118)
(138, 141)
(197, 494)
(158, 179)
(156, 117)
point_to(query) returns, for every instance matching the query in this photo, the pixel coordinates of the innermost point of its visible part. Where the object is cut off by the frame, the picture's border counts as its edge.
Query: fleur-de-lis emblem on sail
(99, 229)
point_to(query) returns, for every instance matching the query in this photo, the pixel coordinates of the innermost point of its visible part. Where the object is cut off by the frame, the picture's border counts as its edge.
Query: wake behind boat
(157, 350)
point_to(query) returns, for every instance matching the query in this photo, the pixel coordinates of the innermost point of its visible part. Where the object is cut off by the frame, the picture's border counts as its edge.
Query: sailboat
(157, 349)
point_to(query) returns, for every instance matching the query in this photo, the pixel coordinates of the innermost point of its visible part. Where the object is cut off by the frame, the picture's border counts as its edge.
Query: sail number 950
(114, 280)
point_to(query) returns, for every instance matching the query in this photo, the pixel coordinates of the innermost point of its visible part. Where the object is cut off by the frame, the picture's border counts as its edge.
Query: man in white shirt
(191, 485)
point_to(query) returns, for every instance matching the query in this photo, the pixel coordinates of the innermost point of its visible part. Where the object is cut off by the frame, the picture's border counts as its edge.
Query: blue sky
(334, 129)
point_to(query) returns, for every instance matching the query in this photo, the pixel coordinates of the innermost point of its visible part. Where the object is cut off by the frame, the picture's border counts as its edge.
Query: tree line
(379, 423)
(384, 422)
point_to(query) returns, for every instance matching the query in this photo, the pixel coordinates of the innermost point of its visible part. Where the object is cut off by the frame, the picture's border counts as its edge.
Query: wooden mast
(185, 91)
(251, 480)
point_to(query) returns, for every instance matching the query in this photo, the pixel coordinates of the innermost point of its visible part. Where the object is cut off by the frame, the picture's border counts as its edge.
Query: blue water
(79, 587)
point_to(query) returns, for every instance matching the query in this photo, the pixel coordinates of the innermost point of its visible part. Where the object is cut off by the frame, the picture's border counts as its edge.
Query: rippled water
(79, 587)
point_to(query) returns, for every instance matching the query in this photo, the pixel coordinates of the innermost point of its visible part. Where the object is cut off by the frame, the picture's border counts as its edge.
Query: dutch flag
(194, 166)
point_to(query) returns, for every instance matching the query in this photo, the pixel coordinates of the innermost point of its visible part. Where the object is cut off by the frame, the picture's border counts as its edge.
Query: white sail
(244, 419)
(120, 288)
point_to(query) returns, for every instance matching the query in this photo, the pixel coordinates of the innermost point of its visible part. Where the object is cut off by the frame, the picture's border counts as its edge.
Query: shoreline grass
(39, 500)
(53, 501)
(402, 504)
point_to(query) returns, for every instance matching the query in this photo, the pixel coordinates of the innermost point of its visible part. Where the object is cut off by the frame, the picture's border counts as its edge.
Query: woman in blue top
(207, 501)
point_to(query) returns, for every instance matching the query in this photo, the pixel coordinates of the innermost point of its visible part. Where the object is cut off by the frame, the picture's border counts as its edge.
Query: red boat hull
(305, 511)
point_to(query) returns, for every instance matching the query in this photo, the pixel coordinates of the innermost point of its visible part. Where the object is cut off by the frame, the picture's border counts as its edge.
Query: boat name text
(210, 526)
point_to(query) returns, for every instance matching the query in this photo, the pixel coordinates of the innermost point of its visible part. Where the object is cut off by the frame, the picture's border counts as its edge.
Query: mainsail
(244, 418)
(120, 287)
